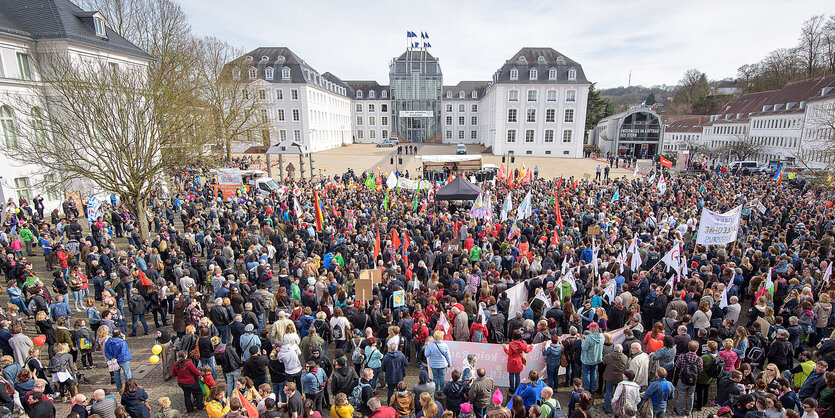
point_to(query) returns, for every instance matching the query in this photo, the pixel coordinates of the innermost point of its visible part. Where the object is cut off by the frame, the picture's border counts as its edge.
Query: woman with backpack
(373, 359)
(712, 368)
(83, 341)
(63, 371)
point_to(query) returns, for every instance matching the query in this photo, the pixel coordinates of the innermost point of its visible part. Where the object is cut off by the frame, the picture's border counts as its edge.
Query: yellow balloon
(154, 359)
(156, 349)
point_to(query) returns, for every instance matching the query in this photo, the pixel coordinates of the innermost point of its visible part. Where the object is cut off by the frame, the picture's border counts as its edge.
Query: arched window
(38, 127)
(384, 94)
(533, 74)
(552, 74)
(560, 60)
(461, 94)
(236, 73)
(285, 73)
(269, 73)
(522, 59)
(280, 59)
(253, 73)
(541, 59)
(7, 125)
(371, 94)
(514, 74)
(449, 94)
(475, 94)
(359, 94)
(572, 74)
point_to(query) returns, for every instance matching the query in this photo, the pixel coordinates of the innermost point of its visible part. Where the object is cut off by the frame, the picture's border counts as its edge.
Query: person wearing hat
(249, 340)
(591, 355)
(255, 367)
(723, 412)
(343, 378)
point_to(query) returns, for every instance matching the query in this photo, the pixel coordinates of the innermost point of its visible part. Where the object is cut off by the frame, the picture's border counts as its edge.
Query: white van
(744, 167)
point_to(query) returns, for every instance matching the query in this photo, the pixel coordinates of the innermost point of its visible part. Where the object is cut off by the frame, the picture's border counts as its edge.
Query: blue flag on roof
(422, 35)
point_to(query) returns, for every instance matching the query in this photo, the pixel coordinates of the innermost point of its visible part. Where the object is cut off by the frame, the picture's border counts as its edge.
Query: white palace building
(535, 103)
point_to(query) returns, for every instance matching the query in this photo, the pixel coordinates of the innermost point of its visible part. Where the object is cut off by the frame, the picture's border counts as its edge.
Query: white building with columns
(30, 27)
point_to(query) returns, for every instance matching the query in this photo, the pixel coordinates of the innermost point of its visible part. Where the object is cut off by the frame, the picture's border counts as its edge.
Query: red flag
(665, 162)
(528, 176)
(557, 211)
(377, 246)
(250, 409)
(451, 176)
(143, 279)
(576, 183)
(559, 184)
(405, 241)
(422, 207)
(395, 239)
(510, 182)
(556, 239)
(318, 211)
(501, 172)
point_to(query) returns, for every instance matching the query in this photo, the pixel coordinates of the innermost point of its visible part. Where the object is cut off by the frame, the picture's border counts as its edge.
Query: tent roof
(458, 189)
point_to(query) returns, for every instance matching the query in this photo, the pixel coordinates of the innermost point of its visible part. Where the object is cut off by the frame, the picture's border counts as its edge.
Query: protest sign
(364, 289)
(718, 228)
(399, 297)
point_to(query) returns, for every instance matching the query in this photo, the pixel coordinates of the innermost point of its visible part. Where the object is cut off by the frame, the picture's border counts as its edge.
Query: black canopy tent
(458, 189)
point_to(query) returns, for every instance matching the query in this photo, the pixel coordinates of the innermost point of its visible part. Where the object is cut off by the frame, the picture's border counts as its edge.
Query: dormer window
(560, 60)
(98, 23)
(280, 59)
(522, 60)
(371, 94)
(269, 73)
(552, 74)
(252, 73)
(265, 58)
(461, 94)
(572, 74)
(475, 94)
(236, 73)
(514, 74)
(384, 94)
(449, 94)
(541, 59)
(359, 94)
(285, 73)
(534, 74)
(248, 58)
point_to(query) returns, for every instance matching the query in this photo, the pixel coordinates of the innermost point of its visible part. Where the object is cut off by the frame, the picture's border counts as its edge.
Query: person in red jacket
(516, 351)
(380, 411)
(188, 377)
(61, 254)
(478, 326)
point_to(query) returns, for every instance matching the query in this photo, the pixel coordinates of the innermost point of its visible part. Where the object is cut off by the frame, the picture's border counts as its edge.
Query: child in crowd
(165, 409)
(207, 380)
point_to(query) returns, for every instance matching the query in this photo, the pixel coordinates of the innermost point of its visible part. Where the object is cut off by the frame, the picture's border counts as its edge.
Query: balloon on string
(40, 340)
(156, 349)
(154, 359)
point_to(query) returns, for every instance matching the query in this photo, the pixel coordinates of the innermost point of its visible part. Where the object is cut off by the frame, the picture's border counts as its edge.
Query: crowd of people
(255, 304)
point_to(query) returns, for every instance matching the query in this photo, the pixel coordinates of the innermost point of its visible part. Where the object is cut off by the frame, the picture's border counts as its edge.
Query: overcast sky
(657, 40)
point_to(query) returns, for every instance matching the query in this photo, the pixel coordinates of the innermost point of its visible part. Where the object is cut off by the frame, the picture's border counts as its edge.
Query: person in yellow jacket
(341, 408)
(217, 406)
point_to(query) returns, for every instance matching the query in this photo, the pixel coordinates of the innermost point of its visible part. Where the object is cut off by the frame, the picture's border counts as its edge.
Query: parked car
(745, 167)
(388, 142)
(461, 149)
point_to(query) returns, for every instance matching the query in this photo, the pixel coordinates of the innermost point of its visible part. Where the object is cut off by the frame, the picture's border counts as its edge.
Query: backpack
(755, 355)
(689, 374)
(356, 394)
(716, 368)
(478, 336)
(338, 333)
(84, 344)
(358, 356)
(554, 411)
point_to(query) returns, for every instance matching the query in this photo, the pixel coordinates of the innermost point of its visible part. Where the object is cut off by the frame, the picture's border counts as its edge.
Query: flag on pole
(564, 265)
(636, 261)
(395, 239)
(386, 200)
(250, 409)
(502, 173)
(827, 275)
(767, 286)
(369, 181)
(525, 208)
(444, 322)
(540, 294)
(317, 211)
(377, 246)
(723, 303)
(406, 242)
(778, 175)
(610, 290)
(662, 184)
(506, 207)
(673, 259)
(297, 208)
(415, 199)
(616, 196)
(665, 162)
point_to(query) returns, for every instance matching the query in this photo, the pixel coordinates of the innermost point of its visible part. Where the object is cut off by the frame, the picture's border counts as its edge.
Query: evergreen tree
(598, 108)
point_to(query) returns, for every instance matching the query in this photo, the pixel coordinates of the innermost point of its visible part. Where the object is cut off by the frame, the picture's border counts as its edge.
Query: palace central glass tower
(416, 83)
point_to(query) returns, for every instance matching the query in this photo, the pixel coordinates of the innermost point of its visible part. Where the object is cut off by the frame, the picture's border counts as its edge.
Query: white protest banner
(761, 208)
(718, 228)
(517, 294)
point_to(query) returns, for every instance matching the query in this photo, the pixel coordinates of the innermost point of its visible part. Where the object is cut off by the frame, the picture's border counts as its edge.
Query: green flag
(415, 199)
(369, 181)
(386, 200)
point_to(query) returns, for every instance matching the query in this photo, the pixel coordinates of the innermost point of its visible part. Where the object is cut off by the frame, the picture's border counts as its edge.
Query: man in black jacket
(781, 352)
(230, 362)
(219, 316)
(138, 309)
(344, 378)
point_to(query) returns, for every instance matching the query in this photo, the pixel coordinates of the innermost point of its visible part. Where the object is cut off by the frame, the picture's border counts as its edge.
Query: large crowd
(256, 312)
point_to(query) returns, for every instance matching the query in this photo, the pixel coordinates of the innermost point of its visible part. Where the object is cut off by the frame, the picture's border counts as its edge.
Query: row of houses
(793, 125)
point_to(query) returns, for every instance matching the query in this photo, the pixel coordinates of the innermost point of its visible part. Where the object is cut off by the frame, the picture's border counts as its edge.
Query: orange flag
(395, 239)
(501, 172)
(144, 279)
(318, 211)
(405, 241)
(250, 409)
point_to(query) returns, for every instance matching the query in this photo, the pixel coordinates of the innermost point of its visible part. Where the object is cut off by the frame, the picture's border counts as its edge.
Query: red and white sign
(665, 162)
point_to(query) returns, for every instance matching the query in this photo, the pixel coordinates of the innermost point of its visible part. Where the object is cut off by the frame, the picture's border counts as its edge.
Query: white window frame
(569, 133)
(269, 73)
(552, 74)
(571, 96)
(511, 136)
(530, 136)
(572, 74)
(569, 116)
(512, 115)
(294, 94)
(513, 95)
(533, 74)
(285, 73)
(532, 93)
(549, 136)
(514, 74)
(296, 115)
(252, 73)
(530, 116)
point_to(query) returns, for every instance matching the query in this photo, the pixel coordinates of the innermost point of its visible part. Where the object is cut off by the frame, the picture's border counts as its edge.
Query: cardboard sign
(375, 275)
(593, 230)
(364, 290)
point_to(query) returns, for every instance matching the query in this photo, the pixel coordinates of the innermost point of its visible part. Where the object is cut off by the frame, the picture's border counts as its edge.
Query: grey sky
(657, 40)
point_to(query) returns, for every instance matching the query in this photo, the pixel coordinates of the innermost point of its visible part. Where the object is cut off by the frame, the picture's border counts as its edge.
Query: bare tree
(829, 46)
(229, 94)
(810, 42)
(103, 126)
(742, 147)
(692, 87)
(818, 153)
